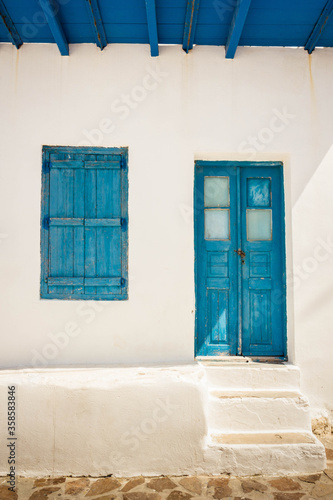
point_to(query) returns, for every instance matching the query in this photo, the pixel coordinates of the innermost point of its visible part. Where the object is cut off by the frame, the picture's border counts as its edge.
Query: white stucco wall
(195, 106)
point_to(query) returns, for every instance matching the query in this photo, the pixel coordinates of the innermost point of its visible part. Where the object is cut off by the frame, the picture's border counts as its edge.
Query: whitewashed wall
(265, 104)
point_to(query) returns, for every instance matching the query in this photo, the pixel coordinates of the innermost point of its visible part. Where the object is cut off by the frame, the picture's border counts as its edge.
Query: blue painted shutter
(84, 223)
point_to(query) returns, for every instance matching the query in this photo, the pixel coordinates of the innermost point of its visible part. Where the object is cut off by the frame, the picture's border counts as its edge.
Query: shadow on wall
(312, 284)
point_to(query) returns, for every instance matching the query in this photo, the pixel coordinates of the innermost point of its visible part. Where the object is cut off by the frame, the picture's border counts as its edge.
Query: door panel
(216, 260)
(263, 272)
(240, 278)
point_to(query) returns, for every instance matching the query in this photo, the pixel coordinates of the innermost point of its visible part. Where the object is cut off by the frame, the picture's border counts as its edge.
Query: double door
(240, 259)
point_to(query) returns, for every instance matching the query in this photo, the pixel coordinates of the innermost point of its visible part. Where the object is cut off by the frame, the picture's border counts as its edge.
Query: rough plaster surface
(149, 420)
(199, 487)
(321, 426)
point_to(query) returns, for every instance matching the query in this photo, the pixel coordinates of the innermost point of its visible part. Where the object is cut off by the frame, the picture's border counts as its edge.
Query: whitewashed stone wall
(265, 104)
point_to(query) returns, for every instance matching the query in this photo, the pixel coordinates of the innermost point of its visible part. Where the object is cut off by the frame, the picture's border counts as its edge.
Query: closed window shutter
(84, 223)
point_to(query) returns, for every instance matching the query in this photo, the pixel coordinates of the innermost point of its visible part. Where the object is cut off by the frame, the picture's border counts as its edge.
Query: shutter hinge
(46, 222)
(123, 223)
(46, 166)
(122, 281)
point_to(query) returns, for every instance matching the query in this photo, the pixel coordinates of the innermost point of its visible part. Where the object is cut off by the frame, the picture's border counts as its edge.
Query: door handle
(241, 254)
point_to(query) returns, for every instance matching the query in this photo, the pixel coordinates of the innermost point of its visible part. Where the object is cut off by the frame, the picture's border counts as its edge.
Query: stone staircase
(258, 420)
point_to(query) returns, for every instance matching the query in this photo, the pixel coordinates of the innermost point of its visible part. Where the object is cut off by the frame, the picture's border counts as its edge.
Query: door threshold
(224, 359)
(242, 359)
(278, 360)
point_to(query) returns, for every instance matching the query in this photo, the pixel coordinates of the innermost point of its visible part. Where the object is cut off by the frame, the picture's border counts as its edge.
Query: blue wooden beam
(11, 29)
(236, 27)
(319, 27)
(190, 24)
(152, 26)
(96, 22)
(51, 11)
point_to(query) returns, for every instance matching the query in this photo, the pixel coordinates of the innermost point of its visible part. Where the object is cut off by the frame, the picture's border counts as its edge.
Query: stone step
(258, 411)
(283, 453)
(251, 375)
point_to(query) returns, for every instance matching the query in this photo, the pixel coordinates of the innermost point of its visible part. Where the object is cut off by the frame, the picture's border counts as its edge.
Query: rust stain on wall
(17, 60)
(312, 87)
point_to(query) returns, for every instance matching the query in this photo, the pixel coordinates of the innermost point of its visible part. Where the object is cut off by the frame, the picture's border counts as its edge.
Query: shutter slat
(116, 221)
(64, 221)
(64, 281)
(102, 164)
(90, 233)
(104, 247)
(102, 281)
(79, 176)
(66, 164)
(114, 164)
(66, 233)
(115, 238)
(71, 281)
(54, 253)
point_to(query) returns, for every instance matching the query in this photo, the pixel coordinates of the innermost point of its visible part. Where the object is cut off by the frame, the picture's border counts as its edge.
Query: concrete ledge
(269, 454)
(124, 421)
(129, 421)
(241, 411)
(252, 376)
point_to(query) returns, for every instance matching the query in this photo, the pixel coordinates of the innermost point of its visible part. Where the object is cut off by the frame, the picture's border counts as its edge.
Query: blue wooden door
(240, 259)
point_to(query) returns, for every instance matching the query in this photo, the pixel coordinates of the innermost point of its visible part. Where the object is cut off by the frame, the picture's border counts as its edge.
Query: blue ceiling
(305, 23)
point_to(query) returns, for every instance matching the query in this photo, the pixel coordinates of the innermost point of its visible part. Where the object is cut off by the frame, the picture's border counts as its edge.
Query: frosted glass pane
(259, 224)
(216, 224)
(216, 191)
(258, 192)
